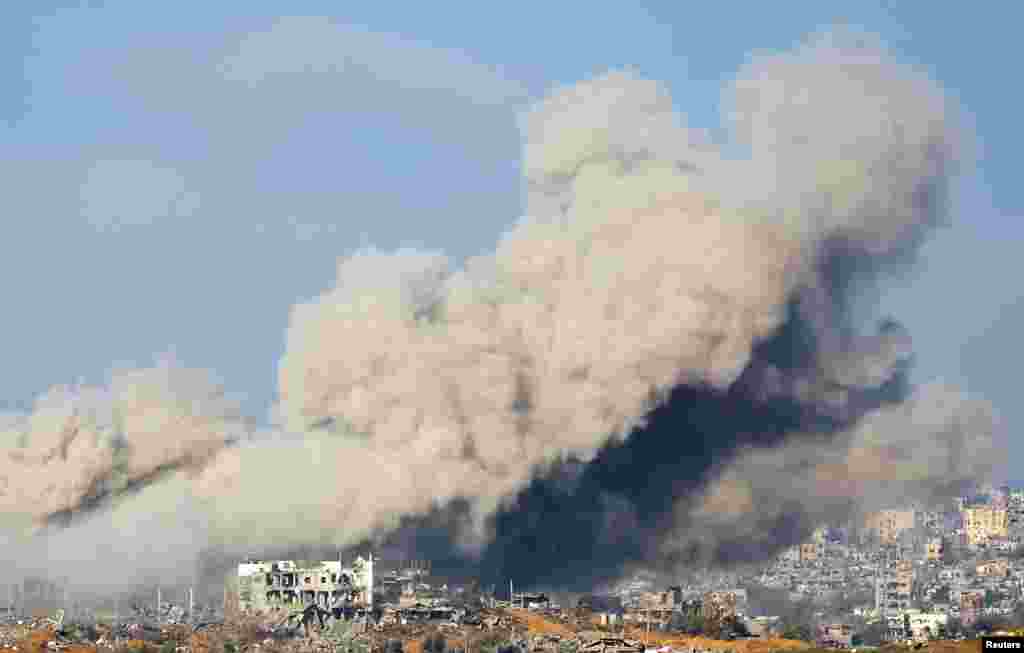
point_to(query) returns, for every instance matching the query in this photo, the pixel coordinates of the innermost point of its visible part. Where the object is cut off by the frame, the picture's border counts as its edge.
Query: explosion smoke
(652, 269)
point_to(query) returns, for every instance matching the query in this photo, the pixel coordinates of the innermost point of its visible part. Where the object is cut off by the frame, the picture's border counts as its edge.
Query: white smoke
(81, 443)
(648, 260)
(639, 269)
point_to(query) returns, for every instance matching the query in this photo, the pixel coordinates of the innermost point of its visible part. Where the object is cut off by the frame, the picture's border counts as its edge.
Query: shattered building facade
(835, 635)
(268, 585)
(719, 606)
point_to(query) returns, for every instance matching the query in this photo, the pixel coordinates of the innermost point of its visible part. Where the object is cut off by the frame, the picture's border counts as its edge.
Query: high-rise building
(894, 583)
(935, 549)
(982, 523)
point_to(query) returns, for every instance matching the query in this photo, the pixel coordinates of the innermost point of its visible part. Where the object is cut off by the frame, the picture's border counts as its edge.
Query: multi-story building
(835, 635)
(998, 568)
(808, 552)
(1015, 511)
(971, 605)
(984, 522)
(266, 585)
(888, 525)
(719, 606)
(894, 584)
(1015, 498)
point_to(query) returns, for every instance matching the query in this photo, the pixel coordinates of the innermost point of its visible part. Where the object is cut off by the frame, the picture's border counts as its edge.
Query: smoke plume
(660, 363)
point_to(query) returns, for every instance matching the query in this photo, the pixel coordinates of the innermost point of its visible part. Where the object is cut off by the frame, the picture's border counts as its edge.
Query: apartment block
(269, 585)
(982, 523)
(888, 525)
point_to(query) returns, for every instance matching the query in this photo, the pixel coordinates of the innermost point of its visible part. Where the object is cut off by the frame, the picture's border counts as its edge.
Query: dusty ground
(31, 638)
(538, 625)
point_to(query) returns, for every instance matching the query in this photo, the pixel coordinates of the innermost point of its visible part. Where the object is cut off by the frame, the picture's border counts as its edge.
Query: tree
(800, 632)
(491, 644)
(695, 624)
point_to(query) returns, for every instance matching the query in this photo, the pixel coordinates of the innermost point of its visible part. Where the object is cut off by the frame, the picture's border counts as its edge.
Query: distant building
(268, 585)
(982, 523)
(999, 497)
(530, 601)
(835, 635)
(764, 626)
(1005, 544)
(609, 619)
(888, 525)
(894, 585)
(808, 552)
(971, 605)
(600, 603)
(658, 601)
(998, 568)
(719, 606)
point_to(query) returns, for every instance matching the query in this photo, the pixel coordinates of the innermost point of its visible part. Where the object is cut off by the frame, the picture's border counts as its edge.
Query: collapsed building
(264, 586)
(719, 606)
(531, 601)
(612, 645)
(599, 603)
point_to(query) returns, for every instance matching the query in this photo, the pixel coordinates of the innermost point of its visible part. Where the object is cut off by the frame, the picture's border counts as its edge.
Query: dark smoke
(670, 363)
(578, 525)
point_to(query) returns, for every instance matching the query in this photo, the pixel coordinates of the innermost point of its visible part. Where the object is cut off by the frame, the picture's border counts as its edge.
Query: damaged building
(719, 606)
(972, 605)
(835, 635)
(263, 586)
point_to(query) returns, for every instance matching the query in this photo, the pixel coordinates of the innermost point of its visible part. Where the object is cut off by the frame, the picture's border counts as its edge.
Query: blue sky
(168, 188)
